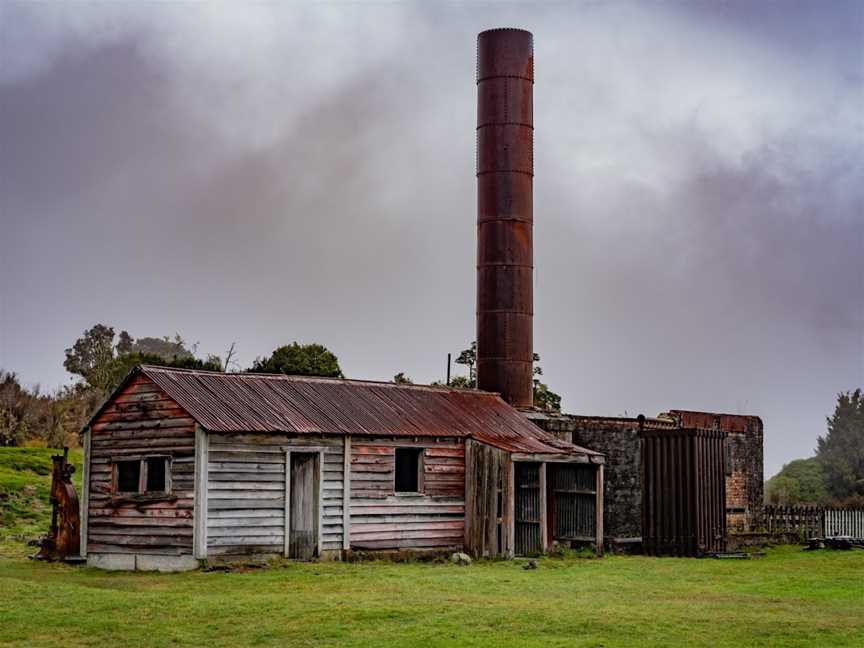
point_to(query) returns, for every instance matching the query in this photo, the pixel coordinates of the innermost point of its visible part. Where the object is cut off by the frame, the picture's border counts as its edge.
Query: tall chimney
(505, 213)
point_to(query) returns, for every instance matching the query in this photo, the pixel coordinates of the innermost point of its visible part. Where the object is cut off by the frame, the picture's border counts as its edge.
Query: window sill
(141, 498)
(409, 494)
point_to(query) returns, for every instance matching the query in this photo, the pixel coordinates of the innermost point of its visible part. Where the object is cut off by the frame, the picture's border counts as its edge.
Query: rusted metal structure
(183, 465)
(63, 539)
(683, 491)
(744, 463)
(505, 213)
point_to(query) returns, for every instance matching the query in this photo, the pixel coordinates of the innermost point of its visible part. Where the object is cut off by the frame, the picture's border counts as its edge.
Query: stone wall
(618, 439)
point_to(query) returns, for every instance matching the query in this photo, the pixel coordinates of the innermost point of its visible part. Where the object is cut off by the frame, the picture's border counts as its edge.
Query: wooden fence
(814, 521)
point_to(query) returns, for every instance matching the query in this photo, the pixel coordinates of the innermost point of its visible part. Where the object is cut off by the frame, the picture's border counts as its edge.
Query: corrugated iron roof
(243, 402)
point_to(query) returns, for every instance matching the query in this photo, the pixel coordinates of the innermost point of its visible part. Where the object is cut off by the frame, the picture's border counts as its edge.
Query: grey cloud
(289, 172)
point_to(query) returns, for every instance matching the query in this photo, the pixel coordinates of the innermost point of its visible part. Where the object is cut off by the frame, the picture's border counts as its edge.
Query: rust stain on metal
(63, 539)
(311, 405)
(505, 213)
(683, 491)
(731, 423)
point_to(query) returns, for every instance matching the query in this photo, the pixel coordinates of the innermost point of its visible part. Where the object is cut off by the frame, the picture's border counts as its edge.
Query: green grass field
(788, 598)
(25, 483)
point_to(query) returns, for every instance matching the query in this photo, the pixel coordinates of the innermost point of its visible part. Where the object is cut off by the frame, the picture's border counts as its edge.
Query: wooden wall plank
(346, 494)
(247, 474)
(141, 420)
(380, 519)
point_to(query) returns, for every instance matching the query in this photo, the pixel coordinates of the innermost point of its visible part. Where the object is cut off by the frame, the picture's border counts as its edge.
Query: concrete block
(145, 562)
(111, 561)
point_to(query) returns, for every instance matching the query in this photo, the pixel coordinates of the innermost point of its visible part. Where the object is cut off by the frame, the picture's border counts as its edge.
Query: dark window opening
(144, 475)
(407, 470)
(156, 473)
(128, 476)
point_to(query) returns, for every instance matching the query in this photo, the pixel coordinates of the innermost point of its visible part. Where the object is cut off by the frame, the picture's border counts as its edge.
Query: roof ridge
(304, 378)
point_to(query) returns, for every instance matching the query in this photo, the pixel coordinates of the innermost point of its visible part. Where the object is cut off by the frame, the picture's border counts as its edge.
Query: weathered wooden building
(183, 466)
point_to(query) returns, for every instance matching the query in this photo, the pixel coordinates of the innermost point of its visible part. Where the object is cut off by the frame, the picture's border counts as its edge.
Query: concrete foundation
(141, 562)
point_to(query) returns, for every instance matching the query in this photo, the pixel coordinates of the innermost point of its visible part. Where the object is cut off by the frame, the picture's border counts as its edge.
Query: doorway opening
(303, 505)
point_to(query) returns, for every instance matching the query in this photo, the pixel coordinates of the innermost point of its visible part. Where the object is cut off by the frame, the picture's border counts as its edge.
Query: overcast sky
(280, 172)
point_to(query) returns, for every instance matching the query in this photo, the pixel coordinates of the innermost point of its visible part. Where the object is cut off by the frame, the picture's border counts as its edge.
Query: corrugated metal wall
(573, 498)
(683, 492)
(529, 539)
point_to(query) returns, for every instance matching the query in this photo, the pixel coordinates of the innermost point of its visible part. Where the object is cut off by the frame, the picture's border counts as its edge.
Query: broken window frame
(143, 469)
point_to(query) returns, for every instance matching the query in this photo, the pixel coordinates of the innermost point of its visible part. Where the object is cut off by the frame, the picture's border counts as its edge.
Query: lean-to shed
(183, 465)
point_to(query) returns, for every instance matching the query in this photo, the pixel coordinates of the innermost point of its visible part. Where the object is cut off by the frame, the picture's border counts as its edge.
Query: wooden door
(304, 506)
(529, 539)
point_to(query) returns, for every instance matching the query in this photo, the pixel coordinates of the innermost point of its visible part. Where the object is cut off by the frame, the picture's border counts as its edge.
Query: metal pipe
(505, 214)
(448, 369)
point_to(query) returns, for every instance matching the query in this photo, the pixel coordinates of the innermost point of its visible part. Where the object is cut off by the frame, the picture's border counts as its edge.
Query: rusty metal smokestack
(505, 213)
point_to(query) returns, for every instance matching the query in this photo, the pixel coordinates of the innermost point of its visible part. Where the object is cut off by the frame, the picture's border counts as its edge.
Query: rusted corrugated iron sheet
(310, 405)
(731, 423)
(683, 492)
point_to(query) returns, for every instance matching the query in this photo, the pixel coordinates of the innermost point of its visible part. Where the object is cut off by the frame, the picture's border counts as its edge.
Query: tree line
(835, 474)
(102, 357)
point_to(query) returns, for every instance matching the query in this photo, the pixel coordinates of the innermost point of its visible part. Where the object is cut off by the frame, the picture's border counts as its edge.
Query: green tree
(783, 490)
(120, 367)
(468, 357)
(103, 364)
(54, 419)
(91, 355)
(125, 343)
(300, 360)
(544, 398)
(841, 450)
(168, 348)
(14, 430)
(801, 481)
(401, 379)
(462, 382)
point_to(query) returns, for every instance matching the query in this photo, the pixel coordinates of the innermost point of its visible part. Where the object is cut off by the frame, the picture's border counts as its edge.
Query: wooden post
(471, 512)
(201, 473)
(511, 527)
(346, 494)
(599, 511)
(544, 514)
(319, 497)
(85, 494)
(287, 540)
